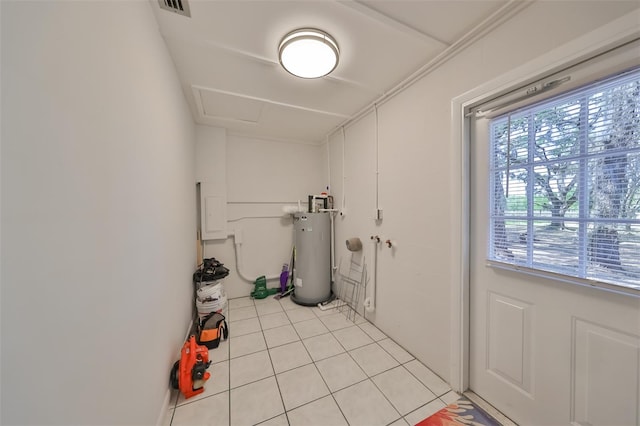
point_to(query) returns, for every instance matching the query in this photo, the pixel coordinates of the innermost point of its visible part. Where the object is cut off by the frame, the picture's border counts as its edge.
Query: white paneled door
(545, 352)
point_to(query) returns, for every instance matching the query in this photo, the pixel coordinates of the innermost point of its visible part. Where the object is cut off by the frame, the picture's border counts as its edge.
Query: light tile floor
(286, 364)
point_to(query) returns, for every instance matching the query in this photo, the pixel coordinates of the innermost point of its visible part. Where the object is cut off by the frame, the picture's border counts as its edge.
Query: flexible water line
(237, 240)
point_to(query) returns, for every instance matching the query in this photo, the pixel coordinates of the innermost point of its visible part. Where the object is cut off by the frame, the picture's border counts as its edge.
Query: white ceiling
(227, 60)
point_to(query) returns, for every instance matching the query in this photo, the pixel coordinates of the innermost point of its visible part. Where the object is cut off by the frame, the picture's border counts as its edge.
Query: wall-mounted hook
(376, 239)
(388, 243)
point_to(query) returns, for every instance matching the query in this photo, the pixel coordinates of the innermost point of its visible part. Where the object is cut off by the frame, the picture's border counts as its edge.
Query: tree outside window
(565, 179)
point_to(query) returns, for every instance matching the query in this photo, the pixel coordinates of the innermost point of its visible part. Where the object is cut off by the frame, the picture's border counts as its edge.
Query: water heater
(312, 274)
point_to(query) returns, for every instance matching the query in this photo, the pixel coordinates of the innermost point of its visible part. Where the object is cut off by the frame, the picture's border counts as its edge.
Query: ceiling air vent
(180, 7)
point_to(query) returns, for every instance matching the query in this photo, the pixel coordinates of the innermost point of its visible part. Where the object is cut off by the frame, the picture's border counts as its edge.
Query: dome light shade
(308, 53)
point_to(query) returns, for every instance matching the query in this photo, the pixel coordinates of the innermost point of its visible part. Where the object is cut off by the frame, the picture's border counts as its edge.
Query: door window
(565, 184)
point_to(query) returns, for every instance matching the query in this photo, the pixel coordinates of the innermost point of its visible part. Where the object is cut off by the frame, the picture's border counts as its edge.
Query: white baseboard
(165, 409)
(186, 337)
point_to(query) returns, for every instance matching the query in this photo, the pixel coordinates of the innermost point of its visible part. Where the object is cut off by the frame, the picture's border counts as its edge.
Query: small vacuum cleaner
(190, 373)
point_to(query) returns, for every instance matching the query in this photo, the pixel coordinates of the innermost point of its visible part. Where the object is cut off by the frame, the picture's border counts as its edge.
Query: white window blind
(565, 183)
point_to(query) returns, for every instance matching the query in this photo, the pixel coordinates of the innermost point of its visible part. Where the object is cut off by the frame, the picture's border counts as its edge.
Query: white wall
(211, 154)
(415, 160)
(97, 216)
(262, 176)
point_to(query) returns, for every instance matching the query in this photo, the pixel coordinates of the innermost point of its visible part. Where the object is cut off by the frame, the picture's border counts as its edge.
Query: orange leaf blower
(190, 373)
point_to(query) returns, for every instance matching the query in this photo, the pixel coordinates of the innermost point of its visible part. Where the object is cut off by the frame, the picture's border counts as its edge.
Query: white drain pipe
(370, 302)
(334, 268)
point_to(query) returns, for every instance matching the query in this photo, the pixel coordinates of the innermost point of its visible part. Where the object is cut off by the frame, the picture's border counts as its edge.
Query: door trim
(581, 48)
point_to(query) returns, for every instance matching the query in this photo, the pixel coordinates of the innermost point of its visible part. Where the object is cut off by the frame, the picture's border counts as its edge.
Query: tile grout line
(370, 378)
(331, 393)
(333, 397)
(314, 362)
(400, 364)
(229, 357)
(275, 377)
(367, 377)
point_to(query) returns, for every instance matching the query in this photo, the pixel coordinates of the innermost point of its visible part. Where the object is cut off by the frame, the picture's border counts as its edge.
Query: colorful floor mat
(461, 412)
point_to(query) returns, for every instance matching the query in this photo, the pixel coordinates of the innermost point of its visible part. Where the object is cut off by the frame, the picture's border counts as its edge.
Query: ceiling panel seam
(198, 89)
(497, 18)
(391, 22)
(268, 61)
(241, 134)
(242, 53)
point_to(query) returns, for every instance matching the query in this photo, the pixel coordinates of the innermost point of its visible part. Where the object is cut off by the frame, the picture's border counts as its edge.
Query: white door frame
(583, 47)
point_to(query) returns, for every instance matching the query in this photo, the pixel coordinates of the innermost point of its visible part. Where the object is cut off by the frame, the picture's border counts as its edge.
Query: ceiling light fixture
(308, 53)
